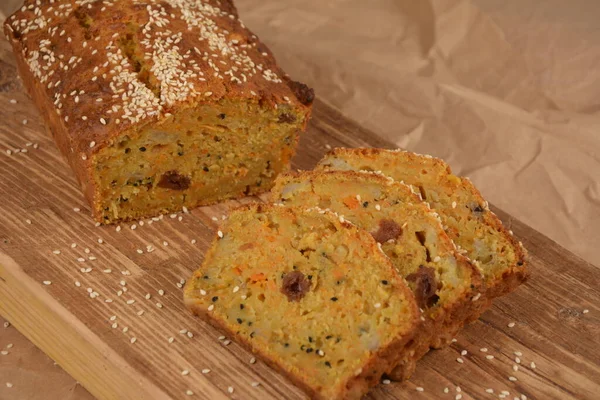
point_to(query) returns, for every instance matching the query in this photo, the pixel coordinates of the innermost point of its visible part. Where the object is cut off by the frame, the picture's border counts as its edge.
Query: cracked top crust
(108, 65)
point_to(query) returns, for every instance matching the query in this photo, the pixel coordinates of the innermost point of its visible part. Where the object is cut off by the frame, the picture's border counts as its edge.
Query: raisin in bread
(314, 296)
(158, 105)
(466, 217)
(447, 287)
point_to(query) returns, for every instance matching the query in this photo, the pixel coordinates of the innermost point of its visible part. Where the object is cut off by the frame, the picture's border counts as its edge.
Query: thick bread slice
(464, 213)
(447, 286)
(314, 296)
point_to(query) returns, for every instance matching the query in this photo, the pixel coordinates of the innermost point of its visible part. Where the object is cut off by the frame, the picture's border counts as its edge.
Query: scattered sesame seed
(220, 234)
(77, 283)
(100, 240)
(193, 241)
(161, 292)
(185, 372)
(255, 384)
(28, 221)
(126, 329)
(133, 227)
(171, 339)
(386, 382)
(419, 389)
(454, 340)
(517, 360)
(189, 392)
(4, 352)
(586, 311)
(436, 259)
(56, 252)
(159, 305)
(130, 301)
(518, 353)
(107, 271)
(377, 305)
(463, 353)
(512, 379)
(446, 390)
(92, 143)
(9, 385)
(489, 390)
(230, 389)
(511, 324)
(203, 292)
(476, 297)
(458, 397)
(114, 325)
(459, 360)
(453, 204)
(6, 324)
(226, 342)
(483, 349)
(165, 243)
(190, 334)
(118, 228)
(205, 371)
(133, 340)
(13, 101)
(515, 367)
(253, 360)
(489, 357)
(532, 365)
(377, 207)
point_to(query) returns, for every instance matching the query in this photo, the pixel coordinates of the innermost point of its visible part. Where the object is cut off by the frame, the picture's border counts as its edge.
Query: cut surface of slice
(466, 217)
(447, 287)
(314, 296)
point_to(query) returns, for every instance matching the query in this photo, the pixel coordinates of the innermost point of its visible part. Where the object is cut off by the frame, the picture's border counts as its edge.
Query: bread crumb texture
(314, 296)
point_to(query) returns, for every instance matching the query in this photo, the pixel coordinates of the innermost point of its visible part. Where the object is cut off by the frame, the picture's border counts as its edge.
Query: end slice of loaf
(465, 214)
(314, 296)
(447, 287)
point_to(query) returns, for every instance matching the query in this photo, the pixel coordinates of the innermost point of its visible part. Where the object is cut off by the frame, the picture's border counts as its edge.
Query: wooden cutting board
(116, 342)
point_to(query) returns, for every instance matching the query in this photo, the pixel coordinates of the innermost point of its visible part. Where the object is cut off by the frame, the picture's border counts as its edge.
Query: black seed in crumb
(222, 116)
(180, 153)
(295, 267)
(334, 299)
(249, 323)
(205, 277)
(338, 282)
(127, 150)
(286, 345)
(309, 277)
(239, 320)
(252, 334)
(328, 364)
(366, 204)
(328, 336)
(520, 263)
(472, 286)
(478, 209)
(217, 139)
(384, 282)
(215, 298)
(142, 149)
(241, 306)
(309, 350)
(205, 169)
(302, 347)
(338, 339)
(310, 339)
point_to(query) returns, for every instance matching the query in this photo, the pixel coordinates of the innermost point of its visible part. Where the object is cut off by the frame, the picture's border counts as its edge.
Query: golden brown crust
(76, 61)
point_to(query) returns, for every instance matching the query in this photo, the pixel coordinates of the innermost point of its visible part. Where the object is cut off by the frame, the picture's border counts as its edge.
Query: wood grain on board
(116, 341)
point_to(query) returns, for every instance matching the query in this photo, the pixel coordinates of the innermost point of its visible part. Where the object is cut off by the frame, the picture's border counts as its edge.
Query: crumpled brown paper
(507, 92)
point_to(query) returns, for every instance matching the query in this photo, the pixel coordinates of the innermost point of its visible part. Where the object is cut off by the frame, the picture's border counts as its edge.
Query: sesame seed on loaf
(312, 295)
(158, 105)
(465, 215)
(445, 284)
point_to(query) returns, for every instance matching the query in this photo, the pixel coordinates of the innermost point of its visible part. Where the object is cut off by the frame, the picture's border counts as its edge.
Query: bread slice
(465, 214)
(447, 287)
(314, 296)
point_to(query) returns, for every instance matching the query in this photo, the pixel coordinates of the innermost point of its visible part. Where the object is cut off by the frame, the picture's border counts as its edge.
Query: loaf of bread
(158, 105)
(311, 294)
(447, 287)
(464, 213)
